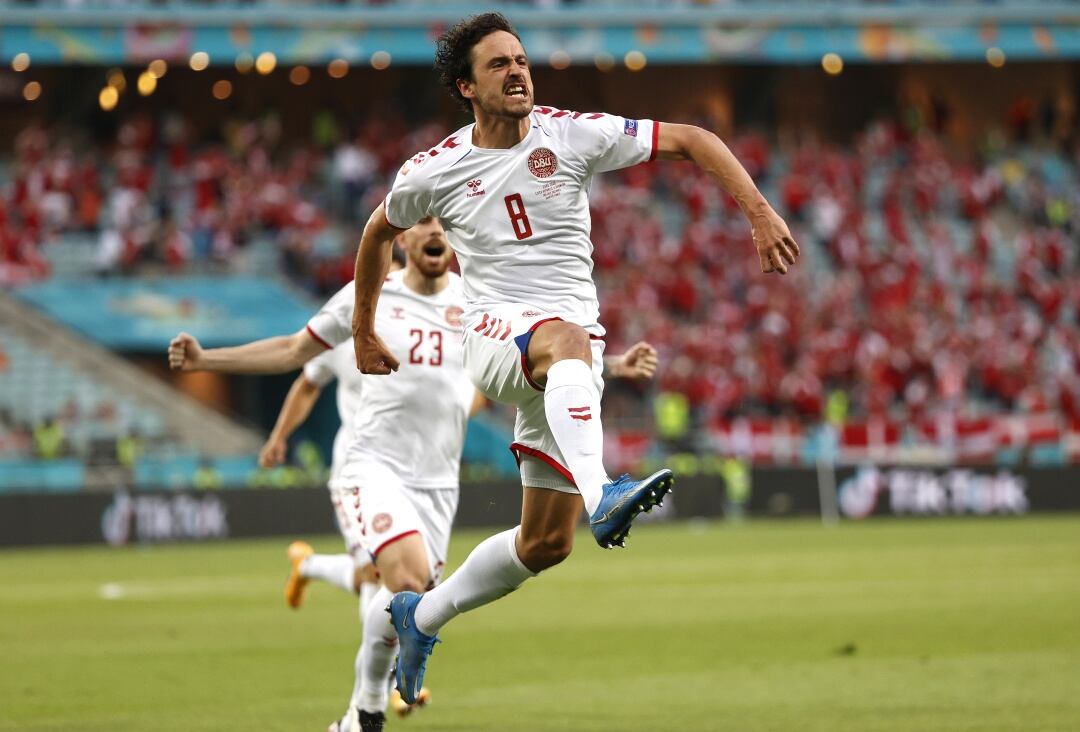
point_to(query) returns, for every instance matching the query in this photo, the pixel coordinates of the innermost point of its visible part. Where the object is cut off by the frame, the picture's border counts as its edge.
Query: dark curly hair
(453, 50)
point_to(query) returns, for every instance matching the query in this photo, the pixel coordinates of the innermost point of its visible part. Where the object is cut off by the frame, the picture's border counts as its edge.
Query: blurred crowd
(927, 284)
(155, 199)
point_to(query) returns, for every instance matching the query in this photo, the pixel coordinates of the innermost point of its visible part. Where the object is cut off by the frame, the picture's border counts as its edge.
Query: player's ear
(465, 87)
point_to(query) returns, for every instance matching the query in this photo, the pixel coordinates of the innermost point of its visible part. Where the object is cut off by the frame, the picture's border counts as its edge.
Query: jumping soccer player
(512, 190)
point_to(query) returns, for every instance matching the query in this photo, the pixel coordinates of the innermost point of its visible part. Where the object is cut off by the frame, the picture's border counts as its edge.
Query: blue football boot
(414, 647)
(624, 498)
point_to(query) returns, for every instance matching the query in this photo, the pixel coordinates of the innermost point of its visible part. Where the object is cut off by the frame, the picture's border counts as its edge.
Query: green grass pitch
(920, 625)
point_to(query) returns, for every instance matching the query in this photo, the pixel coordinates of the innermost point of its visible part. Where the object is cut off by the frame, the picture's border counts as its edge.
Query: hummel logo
(582, 413)
(474, 188)
(398, 314)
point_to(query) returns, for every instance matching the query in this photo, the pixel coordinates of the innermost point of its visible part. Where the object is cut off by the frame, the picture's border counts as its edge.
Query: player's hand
(639, 362)
(372, 355)
(185, 353)
(775, 246)
(272, 453)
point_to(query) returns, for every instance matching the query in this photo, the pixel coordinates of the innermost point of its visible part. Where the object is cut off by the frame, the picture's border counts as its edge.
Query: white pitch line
(230, 586)
(112, 591)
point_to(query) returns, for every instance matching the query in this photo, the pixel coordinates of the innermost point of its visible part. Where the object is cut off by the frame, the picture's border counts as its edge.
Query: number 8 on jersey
(518, 218)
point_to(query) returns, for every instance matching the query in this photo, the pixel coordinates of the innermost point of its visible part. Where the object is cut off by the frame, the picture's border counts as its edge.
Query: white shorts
(385, 510)
(495, 348)
(350, 529)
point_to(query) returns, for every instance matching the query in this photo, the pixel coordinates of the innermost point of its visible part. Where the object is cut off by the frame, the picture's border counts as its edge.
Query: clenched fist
(185, 353)
(272, 453)
(372, 355)
(639, 362)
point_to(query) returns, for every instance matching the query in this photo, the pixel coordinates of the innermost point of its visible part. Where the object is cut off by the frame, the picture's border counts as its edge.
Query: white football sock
(367, 593)
(492, 570)
(572, 406)
(337, 569)
(376, 656)
(358, 664)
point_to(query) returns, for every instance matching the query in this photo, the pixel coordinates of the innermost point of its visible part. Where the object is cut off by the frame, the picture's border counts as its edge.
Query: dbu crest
(542, 162)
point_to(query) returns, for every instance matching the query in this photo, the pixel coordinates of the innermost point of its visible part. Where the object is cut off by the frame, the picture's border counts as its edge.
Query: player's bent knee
(544, 552)
(573, 342)
(561, 340)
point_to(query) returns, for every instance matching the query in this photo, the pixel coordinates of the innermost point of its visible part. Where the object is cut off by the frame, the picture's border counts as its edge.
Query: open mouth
(516, 90)
(434, 250)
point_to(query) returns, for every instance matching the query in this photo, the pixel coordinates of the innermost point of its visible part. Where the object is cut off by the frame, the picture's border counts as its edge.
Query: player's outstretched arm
(296, 408)
(639, 362)
(372, 264)
(276, 355)
(775, 246)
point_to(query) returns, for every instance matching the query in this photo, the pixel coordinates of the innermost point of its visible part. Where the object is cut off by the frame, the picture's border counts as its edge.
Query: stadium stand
(977, 253)
(74, 415)
(154, 201)
(970, 263)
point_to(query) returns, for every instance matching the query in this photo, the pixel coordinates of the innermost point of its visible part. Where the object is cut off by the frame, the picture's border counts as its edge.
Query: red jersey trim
(317, 337)
(518, 450)
(655, 140)
(391, 540)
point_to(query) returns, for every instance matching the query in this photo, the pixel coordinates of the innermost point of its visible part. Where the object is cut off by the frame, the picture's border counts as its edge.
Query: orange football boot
(296, 585)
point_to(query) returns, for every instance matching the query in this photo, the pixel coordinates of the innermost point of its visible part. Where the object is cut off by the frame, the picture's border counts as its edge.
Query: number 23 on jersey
(434, 339)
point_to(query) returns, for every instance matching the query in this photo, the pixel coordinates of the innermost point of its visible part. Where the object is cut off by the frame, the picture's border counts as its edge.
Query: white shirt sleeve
(320, 370)
(610, 142)
(409, 199)
(333, 324)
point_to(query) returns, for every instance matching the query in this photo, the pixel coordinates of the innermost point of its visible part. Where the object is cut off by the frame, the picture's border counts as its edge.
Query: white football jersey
(519, 218)
(413, 420)
(339, 363)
